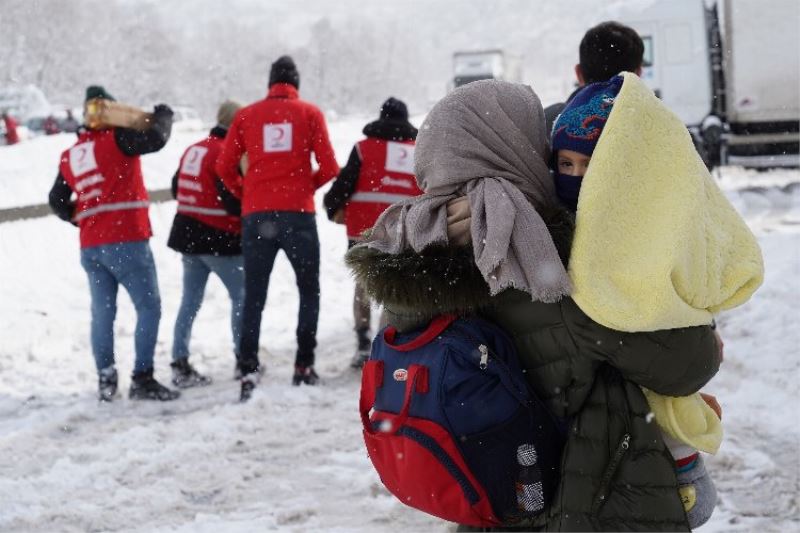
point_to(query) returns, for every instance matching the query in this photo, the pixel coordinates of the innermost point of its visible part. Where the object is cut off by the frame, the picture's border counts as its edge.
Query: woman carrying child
(506, 259)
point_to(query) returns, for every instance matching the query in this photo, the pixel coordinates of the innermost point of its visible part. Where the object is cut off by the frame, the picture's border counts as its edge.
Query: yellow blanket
(657, 245)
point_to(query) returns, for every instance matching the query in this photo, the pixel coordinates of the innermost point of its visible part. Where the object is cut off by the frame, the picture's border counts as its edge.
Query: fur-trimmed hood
(413, 287)
(416, 286)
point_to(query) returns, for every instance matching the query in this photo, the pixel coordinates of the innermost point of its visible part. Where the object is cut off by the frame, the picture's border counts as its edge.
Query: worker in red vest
(50, 125)
(207, 231)
(379, 172)
(12, 137)
(278, 134)
(104, 173)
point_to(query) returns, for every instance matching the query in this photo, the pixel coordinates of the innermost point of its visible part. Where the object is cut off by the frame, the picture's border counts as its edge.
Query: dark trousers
(263, 234)
(362, 312)
(362, 307)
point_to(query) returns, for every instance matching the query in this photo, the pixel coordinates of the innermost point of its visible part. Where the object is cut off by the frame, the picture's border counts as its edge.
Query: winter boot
(238, 374)
(145, 387)
(249, 382)
(184, 375)
(304, 374)
(107, 384)
(363, 350)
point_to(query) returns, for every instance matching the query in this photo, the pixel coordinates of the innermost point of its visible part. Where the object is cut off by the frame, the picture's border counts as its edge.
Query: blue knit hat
(580, 124)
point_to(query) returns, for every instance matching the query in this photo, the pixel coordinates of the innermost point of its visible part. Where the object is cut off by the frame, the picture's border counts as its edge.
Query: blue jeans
(131, 265)
(196, 269)
(263, 235)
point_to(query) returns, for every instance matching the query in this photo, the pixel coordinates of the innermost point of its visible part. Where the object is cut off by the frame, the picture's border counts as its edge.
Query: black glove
(163, 109)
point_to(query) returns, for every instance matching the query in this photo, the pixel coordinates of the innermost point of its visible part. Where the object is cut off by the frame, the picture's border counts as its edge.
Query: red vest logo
(400, 157)
(401, 374)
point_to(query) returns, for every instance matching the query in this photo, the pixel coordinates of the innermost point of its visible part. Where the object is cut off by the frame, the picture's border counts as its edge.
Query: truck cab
(484, 65)
(676, 62)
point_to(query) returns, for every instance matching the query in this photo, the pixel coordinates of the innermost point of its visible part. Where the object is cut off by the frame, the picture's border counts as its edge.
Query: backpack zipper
(484, 356)
(483, 363)
(426, 441)
(602, 494)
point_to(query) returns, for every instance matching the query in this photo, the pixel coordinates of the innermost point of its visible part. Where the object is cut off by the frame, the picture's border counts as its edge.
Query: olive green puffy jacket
(616, 472)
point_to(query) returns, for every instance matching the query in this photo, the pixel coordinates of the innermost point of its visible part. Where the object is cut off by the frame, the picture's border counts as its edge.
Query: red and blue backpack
(452, 427)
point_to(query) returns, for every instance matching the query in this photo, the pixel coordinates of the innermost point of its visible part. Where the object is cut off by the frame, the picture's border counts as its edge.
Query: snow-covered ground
(293, 458)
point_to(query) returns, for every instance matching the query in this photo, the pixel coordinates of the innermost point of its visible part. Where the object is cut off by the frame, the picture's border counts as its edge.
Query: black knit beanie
(97, 91)
(394, 109)
(284, 71)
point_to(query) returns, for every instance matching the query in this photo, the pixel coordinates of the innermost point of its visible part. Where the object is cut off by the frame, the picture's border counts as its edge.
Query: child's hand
(721, 345)
(712, 402)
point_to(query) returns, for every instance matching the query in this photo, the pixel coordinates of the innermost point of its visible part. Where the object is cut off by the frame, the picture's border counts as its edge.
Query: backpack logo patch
(401, 374)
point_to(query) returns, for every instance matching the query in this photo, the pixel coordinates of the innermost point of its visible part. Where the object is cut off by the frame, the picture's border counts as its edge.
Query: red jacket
(197, 191)
(386, 176)
(112, 201)
(12, 137)
(278, 135)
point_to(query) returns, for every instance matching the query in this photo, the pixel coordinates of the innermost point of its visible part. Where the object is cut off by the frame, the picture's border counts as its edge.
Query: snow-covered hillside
(351, 54)
(293, 458)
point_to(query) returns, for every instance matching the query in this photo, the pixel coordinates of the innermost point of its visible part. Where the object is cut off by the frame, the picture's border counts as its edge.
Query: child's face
(572, 163)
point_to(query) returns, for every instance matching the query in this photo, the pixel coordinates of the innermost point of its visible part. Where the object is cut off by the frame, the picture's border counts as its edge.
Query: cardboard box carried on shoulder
(101, 113)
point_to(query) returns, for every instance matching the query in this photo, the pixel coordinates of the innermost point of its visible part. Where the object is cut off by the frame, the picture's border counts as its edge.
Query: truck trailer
(731, 70)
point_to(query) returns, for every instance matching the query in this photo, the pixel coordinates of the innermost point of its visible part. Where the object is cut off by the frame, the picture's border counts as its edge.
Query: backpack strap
(417, 382)
(372, 379)
(435, 328)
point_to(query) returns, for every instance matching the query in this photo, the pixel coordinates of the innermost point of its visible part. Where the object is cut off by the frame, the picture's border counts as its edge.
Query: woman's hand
(458, 221)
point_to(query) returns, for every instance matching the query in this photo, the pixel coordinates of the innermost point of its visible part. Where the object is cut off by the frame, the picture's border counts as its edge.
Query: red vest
(12, 137)
(386, 177)
(112, 201)
(197, 190)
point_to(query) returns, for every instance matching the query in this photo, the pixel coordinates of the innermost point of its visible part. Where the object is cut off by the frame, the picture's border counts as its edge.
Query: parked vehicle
(731, 70)
(37, 124)
(485, 65)
(24, 102)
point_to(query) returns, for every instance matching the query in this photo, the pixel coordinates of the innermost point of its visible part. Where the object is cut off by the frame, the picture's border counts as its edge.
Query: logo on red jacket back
(278, 137)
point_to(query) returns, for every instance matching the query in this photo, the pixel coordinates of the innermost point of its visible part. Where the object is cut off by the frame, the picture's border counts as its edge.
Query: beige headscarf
(487, 140)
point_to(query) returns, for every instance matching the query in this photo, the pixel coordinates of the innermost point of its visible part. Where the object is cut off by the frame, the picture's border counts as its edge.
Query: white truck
(484, 65)
(731, 70)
